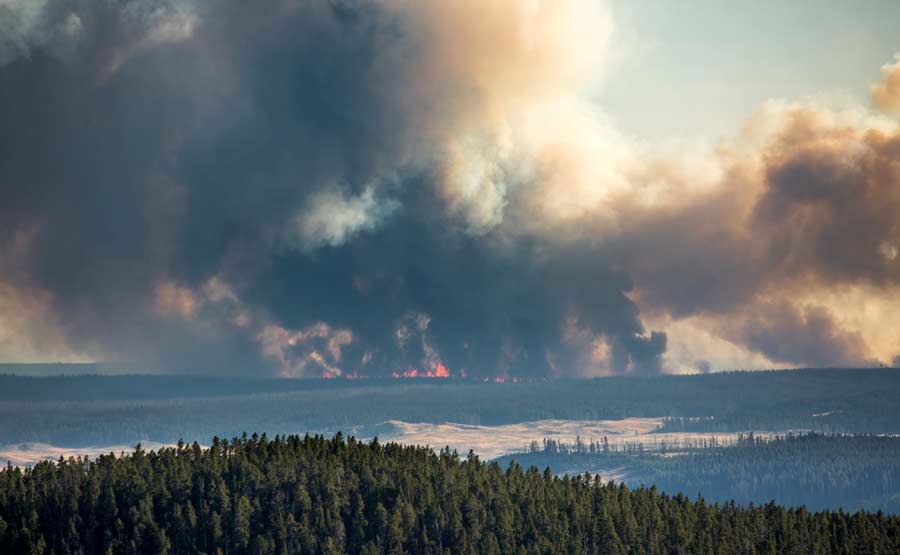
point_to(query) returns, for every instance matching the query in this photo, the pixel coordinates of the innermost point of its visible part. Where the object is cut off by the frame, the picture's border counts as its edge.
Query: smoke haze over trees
(85, 411)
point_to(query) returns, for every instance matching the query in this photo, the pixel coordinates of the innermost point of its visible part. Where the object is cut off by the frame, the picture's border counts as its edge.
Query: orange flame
(440, 371)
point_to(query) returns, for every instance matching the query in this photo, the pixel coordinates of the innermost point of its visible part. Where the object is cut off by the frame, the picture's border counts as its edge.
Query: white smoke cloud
(318, 346)
(20, 22)
(886, 93)
(313, 351)
(28, 24)
(333, 216)
(30, 329)
(160, 21)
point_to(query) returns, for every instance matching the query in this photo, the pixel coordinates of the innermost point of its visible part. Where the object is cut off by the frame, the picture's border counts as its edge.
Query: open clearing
(489, 442)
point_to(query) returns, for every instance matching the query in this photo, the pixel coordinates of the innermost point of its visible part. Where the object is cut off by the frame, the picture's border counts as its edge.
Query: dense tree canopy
(821, 471)
(319, 496)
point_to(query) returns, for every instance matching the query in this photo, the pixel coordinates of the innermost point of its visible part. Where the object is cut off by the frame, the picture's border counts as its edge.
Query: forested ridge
(820, 471)
(318, 496)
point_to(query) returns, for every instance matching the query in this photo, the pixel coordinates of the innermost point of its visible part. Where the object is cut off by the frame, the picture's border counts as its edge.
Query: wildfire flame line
(440, 372)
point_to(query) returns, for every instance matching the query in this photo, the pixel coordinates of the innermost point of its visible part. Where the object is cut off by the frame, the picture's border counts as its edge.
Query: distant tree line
(311, 495)
(656, 443)
(819, 471)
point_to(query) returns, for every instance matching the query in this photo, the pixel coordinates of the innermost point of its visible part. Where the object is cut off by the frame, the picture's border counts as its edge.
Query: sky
(465, 187)
(700, 71)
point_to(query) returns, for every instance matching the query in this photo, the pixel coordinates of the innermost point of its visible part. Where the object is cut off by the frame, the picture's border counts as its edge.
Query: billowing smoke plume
(886, 94)
(363, 188)
(792, 251)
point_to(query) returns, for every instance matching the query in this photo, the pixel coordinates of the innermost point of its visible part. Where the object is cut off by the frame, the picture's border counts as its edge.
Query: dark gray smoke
(272, 148)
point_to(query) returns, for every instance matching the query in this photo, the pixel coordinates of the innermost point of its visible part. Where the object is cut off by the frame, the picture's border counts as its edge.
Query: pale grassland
(489, 442)
(27, 454)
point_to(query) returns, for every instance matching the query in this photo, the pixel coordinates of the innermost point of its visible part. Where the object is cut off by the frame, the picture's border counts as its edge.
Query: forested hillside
(816, 470)
(317, 496)
(98, 410)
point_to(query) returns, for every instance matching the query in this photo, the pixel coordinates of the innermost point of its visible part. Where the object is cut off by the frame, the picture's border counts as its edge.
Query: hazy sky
(502, 187)
(700, 68)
